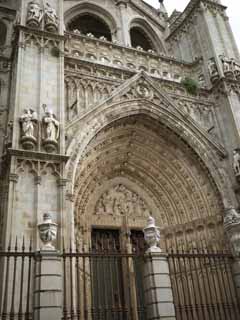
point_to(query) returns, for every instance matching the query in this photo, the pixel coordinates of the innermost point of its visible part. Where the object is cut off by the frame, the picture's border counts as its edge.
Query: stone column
(232, 230)
(157, 282)
(48, 294)
(122, 4)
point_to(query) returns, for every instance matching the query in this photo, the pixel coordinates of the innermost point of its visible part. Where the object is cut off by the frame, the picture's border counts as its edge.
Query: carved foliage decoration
(121, 201)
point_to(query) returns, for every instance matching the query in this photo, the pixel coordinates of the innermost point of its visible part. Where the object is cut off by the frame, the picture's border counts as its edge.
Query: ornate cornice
(36, 155)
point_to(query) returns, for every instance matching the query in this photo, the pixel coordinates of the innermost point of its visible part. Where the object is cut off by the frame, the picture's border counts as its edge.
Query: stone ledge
(36, 155)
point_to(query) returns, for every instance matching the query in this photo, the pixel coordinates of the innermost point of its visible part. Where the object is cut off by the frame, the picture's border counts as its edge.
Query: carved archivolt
(119, 200)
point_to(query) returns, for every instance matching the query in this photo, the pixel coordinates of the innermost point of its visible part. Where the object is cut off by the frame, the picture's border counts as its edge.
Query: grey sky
(233, 12)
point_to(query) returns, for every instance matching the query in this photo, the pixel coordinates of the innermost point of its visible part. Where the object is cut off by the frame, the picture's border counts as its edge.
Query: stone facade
(100, 126)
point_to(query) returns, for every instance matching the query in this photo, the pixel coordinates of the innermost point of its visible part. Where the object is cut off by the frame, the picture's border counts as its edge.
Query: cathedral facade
(111, 111)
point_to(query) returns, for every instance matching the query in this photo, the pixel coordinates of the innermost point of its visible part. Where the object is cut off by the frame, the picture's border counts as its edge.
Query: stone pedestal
(48, 282)
(158, 289)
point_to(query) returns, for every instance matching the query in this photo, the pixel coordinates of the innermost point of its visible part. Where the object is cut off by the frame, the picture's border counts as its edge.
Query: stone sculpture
(34, 14)
(213, 70)
(50, 133)
(152, 236)
(227, 65)
(50, 18)
(232, 229)
(28, 121)
(47, 232)
(236, 162)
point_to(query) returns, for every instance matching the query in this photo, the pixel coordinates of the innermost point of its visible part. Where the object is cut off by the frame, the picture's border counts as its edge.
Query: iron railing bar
(12, 313)
(197, 307)
(222, 287)
(20, 311)
(183, 291)
(27, 314)
(5, 300)
(188, 287)
(215, 288)
(205, 286)
(65, 317)
(78, 291)
(171, 258)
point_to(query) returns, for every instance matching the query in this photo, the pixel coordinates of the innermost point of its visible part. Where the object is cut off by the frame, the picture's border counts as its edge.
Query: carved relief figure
(212, 68)
(227, 64)
(51, 18)
(34, 14)
(121, 201)
(236, 162)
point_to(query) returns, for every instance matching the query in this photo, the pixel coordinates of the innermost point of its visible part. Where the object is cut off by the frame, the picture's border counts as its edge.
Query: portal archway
(136, 166)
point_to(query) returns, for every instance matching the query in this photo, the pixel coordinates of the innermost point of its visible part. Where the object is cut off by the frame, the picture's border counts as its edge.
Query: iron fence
(16, 287)
(203, 285)
(103, 286)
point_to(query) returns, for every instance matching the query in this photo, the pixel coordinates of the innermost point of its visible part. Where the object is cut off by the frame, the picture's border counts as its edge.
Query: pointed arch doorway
(136, 166)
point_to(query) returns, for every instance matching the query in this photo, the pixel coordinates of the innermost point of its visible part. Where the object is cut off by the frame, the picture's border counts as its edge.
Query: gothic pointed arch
(136, 155)
(91, 18)
(143, 35)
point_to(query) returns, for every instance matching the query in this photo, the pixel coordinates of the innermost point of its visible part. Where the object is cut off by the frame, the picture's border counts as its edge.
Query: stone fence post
(48, 294)
(157, 282)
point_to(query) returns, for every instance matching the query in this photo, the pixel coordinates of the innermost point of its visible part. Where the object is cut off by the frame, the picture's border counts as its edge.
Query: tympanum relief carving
(121, 201)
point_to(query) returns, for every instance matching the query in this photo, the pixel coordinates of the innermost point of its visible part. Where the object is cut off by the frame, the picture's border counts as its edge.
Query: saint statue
(27, 121)
(51, 18)
(51, 125)
(236, 162)
(34, 13)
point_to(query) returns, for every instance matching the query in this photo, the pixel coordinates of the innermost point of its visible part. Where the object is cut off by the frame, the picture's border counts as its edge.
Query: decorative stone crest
(28, 123)
(50, 132)
(232, 229)
(152, 236)
(121, 201)
(47, 232)
(213, 70)
(144, 91)
(50, 18)
(34, 14)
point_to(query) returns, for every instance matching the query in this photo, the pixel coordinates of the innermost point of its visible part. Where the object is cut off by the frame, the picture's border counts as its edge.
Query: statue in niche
(50, 130)
(34, 14)
(213, 70)
(50, 18)
(28, 121)
(236, 162)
